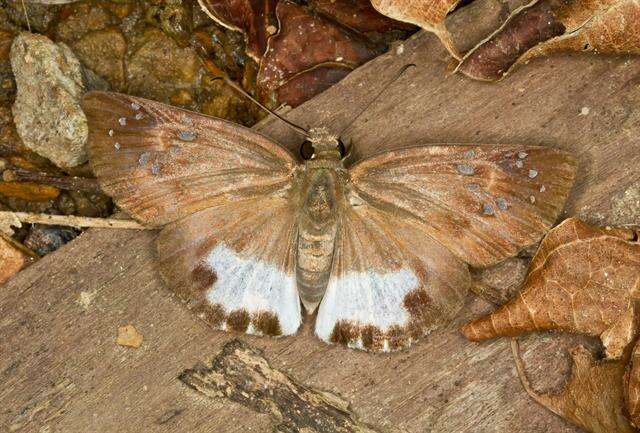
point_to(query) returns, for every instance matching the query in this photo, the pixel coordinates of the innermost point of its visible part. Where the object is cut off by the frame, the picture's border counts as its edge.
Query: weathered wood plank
(60, 366)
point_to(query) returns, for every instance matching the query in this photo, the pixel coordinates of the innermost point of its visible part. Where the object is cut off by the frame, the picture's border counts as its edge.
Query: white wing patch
(366, 300)
(255, 287)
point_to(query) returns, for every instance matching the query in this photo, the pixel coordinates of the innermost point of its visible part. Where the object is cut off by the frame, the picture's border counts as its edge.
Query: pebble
(47, 111)
(44, 239)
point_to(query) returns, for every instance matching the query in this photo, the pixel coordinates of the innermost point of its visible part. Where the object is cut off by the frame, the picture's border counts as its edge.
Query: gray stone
(47, 111)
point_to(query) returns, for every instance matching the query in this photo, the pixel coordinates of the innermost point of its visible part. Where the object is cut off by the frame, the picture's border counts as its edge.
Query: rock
(83, 18)
(44, 239)
(12, 260)
(157, 68)
(103, 52)
(41, 15)
(47, 109)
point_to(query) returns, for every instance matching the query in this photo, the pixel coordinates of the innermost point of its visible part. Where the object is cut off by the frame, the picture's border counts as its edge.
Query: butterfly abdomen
(316, 237)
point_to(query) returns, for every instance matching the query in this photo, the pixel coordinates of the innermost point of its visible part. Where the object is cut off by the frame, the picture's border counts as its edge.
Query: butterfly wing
(410, 220)
(484, 203)
(224, 193)
(233, 265)
(161, 163)
(390, 282)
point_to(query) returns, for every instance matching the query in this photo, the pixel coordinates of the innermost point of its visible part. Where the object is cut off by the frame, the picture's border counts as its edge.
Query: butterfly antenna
(240, 90)
(26, 15)
(385, 87)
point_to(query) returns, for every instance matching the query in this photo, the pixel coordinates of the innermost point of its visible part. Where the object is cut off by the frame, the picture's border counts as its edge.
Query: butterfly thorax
(321, 189)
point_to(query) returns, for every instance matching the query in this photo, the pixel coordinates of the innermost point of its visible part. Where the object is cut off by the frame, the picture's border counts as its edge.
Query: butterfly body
(381, 247)
(323, 179)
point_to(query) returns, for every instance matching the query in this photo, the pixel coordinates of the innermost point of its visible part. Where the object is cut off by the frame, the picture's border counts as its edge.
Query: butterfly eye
(342, 148)
(306, 150)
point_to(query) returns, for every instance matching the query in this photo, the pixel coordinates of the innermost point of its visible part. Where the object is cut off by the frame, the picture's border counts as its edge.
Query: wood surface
(61, 370)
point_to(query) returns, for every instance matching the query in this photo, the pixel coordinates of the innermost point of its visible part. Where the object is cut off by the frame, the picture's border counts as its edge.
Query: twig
(67, 183)
(16, 218)
(26, 15)
(524, 380)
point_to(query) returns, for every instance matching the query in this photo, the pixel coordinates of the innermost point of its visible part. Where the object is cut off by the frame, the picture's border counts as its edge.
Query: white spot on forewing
(465, 169)
(366, 298)
(187, 135)
(247, 283)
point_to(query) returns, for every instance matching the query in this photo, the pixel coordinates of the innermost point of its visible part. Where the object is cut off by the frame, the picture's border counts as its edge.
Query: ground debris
(129, 336)
(241, 374)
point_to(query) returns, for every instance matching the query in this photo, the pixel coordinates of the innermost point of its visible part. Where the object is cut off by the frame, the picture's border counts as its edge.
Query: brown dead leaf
(256, 19)
(593, 396)
(288, 56)
(428, 15)
(632, 387)
(129, 336)
(12, 259)
(302, 50)
(582, 279)
(357, 15)
(548, 26)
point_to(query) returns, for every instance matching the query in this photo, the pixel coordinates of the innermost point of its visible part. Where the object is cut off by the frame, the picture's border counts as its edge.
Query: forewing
(390, 283)
(161, 163)
(233, 265)
(483, 203)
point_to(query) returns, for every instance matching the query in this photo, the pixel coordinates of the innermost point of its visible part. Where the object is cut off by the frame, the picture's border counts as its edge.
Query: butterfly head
(324, 144)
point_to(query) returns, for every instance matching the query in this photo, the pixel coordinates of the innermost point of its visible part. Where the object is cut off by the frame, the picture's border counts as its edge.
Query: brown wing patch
(390, 284)
(233, 265)
(161, 163)
(484, 203)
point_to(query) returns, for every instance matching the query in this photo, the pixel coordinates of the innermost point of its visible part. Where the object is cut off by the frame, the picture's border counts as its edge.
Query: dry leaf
(428, 15)
(582, 279)
(592, 398)
(632, 387)
(336, 51)
(12, 259)
(357, 15)
(254, 18)
(602, 26)
(302, 50)
(129, 336)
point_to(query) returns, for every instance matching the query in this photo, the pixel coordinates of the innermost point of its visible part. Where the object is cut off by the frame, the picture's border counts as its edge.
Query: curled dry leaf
(632, 387)
(582, 279)
(593, 396)
(429, 15)
(288, 60)
(357, 15)
(302, 50)
(548, 26)
(256, 19)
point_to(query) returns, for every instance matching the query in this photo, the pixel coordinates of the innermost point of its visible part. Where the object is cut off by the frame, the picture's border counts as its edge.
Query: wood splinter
(10, 219)
(241, 374)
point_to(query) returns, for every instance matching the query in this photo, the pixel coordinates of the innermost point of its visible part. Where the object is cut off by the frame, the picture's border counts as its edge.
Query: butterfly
(252, 235)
